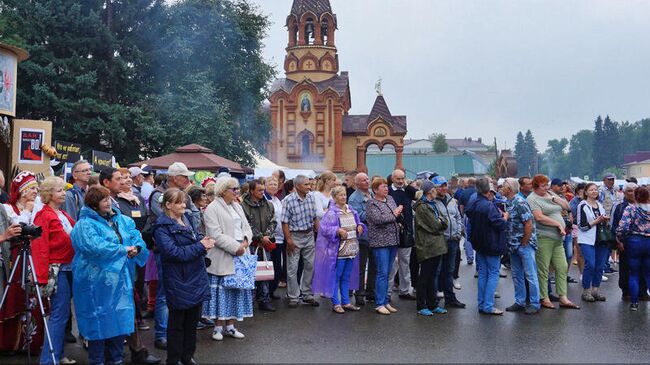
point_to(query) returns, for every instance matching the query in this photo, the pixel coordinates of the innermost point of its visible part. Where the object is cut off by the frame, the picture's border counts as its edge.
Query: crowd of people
(129, 244)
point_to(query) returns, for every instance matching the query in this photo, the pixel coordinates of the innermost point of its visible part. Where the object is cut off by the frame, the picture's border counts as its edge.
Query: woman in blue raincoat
(107, 247)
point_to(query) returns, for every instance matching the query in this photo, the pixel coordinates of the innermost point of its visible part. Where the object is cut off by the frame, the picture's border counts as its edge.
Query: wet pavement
(604, 332)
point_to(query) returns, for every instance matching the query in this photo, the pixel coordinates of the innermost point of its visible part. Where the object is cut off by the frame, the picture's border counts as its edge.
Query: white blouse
(239, 233)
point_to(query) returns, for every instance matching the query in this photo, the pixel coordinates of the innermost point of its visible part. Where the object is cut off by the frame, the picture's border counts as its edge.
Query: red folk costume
(12, 328)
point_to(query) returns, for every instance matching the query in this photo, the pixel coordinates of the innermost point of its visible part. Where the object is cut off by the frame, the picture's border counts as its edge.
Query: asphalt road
(605, 332)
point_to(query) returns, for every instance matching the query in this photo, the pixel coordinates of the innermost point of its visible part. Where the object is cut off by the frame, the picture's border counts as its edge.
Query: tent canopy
(195, 157)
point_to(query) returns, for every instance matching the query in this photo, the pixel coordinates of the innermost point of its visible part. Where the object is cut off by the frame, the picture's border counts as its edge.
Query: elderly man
(448, 208)
(522, 243)
(404, 195)
(488, 237)
(358, 201)
(74, 197)
(525, 186)
(261, 217)
(299, 222)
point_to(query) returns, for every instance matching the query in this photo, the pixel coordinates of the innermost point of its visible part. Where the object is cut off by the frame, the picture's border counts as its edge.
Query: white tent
(265, 163)
(288, 173)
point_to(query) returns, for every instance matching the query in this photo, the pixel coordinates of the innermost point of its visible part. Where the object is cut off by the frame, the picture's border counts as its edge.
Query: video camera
(28, 232)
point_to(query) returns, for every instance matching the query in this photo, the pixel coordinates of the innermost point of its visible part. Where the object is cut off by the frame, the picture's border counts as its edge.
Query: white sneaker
(217, 335)
(440, 294)
(233, 333)
(66, 361)
(457, 284)
(605, 278)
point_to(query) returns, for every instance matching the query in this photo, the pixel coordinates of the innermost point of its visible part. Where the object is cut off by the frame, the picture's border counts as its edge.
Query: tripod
(25, 261)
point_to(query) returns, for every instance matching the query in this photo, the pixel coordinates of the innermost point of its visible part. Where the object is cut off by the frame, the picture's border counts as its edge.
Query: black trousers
(414, 267)
(279, 258)
(366, 260)
(181, 334)
(428, 284)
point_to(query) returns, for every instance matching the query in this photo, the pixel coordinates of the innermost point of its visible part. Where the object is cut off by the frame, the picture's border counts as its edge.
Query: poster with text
(30, 146)
(8, 73)
(67, 151)
(102, 160)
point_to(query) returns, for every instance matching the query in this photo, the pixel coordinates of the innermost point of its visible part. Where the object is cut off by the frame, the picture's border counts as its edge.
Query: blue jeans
(342, 281)
(595, 257)
(161, 313)
(59, 315)
(637, 249)
(446, 271)
(524, 269)
(488, 278)
(384, 257)
(469, 250)
(568, 247)
(107, 351)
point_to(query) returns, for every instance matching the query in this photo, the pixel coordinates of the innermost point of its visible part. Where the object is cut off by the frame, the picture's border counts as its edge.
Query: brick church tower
(311, 128)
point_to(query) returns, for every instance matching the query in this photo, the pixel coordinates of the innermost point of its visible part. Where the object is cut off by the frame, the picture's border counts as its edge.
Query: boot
(587, 296)
(595, 292)
(143, 357)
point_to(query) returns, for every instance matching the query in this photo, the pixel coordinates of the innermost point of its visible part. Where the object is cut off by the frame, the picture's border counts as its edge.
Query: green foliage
(439, 141)
(141, 77)
(526, 154)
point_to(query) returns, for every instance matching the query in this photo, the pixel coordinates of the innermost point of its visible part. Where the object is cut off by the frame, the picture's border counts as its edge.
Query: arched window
(306, 145)
(309, 31)
(323, 31)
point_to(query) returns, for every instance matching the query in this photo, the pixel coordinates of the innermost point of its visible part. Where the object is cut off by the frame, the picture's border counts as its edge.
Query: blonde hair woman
(323, 194)
(226, 223)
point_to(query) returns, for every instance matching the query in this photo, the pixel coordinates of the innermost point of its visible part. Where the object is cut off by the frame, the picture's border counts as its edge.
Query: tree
(598, 156)
(611, 143)
(439, 141)
(555, 158)
(580, 153)
(520, 154)
(530, 152)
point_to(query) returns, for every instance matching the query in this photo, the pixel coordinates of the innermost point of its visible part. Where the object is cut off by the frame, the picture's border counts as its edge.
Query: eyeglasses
(234, 189)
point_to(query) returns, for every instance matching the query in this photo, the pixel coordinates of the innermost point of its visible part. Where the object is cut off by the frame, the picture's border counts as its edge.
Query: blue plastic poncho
(103, 275)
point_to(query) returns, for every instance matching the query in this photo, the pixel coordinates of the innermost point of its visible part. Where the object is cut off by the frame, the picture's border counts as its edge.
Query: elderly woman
(279, 253)
(634, 231)
(547, 210)
(182, 251)
(22, 197)
(337, 250)
(226, 222)
(430, 245)
(107, 247)
(52, 254)
(383, 217)
(591, 214)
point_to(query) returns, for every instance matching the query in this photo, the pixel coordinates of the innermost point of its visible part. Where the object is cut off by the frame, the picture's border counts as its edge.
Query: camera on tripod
(28, 232)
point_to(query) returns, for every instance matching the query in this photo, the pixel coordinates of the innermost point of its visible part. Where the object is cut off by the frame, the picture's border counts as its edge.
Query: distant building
(637, 164)
(506, 164)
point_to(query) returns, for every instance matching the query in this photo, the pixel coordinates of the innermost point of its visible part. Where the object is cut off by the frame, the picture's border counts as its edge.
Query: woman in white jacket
(226, 223)
(590, 214)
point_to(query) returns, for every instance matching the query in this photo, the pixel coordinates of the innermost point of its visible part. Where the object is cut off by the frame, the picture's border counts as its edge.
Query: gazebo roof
(196, 158)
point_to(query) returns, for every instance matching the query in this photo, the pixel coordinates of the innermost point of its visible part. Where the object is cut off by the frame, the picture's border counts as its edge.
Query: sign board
(102, 160)
(67, 151)
(8, 74)
(28, 137)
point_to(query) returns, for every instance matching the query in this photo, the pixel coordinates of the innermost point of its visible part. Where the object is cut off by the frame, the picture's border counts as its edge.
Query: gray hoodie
(448, 207)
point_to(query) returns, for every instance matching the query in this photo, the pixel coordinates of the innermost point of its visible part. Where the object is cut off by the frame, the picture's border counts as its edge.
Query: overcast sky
(490, 68)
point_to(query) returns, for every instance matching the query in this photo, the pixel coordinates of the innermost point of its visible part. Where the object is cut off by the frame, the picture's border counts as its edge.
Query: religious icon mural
(305, 102)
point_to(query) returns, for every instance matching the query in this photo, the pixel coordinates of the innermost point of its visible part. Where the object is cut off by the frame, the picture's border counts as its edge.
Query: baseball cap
(609, 175)
(556, 181)
(439, 181)
(146, 169)
(179, 169)
(135, 171)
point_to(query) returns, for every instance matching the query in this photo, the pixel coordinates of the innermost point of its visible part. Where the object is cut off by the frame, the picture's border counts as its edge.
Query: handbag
(264, 270)
(52, 280)
(604, 236)
(244, 275)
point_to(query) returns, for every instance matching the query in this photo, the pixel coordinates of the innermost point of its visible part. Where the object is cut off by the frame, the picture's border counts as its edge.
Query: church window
(306, 145)
(309, 31)
(323, 31)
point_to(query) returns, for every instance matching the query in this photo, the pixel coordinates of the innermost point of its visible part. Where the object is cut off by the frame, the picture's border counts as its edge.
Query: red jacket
(54, 246)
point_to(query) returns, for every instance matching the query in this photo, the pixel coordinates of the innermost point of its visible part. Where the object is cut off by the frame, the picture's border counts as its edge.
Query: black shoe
(190, 362)
(293, 304)
(143, 357)
(69, 338)
(571, 280)
(455, 304)
(160, 344)
(408, 296)
(531, 310)
(266, 307)
(312, 302)
(553, 298)
(516, 308)
(360, 300)
(476, 274)
(470, 262)
(147, 315)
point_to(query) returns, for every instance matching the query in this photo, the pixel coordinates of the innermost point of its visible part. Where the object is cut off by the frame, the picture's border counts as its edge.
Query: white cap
(135, 171)
(179, 169)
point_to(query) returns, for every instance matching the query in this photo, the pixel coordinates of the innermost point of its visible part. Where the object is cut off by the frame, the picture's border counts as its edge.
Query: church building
(311, 127)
